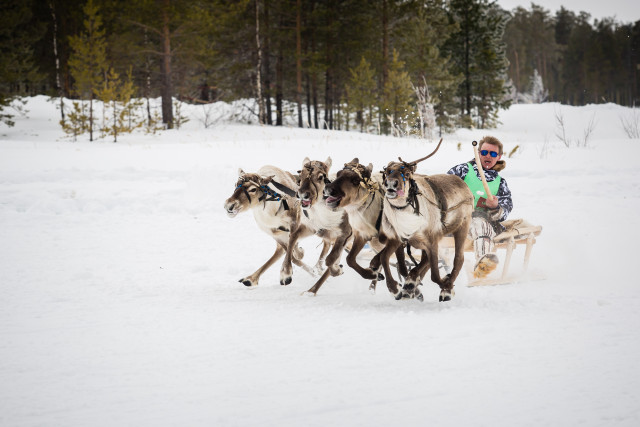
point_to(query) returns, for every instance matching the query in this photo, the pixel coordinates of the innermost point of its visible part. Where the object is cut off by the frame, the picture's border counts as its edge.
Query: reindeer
(276, 214)
(332, 226)
(420, 210)
(359, 193)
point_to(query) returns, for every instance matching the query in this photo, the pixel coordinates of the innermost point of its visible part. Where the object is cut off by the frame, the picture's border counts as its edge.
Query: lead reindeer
(332, 226)
(359, 193)
(420, 210)
(276, 214)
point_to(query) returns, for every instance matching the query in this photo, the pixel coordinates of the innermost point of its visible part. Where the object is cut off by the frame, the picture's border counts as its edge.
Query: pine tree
(18, 70)
(361, 92)
(88, 62)
(397, 94)
(479, 55)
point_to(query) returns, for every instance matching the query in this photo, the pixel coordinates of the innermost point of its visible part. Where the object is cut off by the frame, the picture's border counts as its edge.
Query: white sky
(624, 11)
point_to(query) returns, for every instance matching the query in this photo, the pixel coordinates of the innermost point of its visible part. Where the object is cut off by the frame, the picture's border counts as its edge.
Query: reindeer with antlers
(419, 210)
(276, 214)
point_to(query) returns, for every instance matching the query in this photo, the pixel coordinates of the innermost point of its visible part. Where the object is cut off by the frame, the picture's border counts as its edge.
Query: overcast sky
(624, 11)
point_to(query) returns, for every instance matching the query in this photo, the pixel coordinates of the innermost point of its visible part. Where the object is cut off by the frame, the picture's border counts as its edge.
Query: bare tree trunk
(299, 59)
(266, 51)
(385, 43)
(55, 55)
(259, 67)
(280, 75)
(167, 90)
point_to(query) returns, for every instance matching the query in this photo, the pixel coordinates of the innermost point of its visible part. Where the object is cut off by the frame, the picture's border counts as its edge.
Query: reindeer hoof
(372, 287)
(337, 270)
(380, 277)
(247, 282)
(419, 295)
(285, 281)
(308, 294)
(446, 295)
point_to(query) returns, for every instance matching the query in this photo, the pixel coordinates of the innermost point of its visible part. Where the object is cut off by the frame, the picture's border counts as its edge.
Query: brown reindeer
(420, 210)
(332, 226)
(276, 214)
(359, 193)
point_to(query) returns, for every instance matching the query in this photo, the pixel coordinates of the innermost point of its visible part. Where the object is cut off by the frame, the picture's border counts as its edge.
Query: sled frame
(518, 233)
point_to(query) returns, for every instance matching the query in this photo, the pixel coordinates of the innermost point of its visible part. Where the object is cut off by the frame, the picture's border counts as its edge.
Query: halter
(268, 194)
(367, 183)
(412, 197)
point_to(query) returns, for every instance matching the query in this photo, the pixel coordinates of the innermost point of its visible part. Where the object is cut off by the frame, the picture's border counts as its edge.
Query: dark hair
(491, 140)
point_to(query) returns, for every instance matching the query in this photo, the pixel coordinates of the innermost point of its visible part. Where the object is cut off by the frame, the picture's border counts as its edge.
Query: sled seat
(517, 232)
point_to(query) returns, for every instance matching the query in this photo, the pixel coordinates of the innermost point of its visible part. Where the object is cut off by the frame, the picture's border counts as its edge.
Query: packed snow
(120, 302)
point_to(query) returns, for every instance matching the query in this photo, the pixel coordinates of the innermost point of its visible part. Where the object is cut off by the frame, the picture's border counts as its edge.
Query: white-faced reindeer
(359, 193)
(276, 214)
(420, 210)
(332, 226)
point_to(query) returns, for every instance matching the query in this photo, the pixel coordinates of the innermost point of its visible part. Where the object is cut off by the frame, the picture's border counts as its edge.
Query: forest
(384, 66)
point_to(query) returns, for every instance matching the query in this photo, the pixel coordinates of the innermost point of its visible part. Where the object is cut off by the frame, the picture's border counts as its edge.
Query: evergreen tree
(361, 92)
(479, 55)
(397, 95)
(88, 62)
(420, 36)
(18, 71)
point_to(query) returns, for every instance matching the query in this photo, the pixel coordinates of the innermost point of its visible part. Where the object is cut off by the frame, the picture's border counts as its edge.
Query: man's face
(487, 160)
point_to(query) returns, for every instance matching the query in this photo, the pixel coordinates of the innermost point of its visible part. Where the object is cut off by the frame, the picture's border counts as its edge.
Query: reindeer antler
(415, 162)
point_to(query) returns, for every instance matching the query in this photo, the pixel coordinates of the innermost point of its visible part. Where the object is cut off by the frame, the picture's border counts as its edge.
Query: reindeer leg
(333, 259)
(286, 269)
(326, 245)
(252, 280)
(314, 289)
(411, 287)
(356, 247)
(391, 247)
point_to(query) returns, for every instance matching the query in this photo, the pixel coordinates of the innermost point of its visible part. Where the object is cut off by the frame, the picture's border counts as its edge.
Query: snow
(120, 302)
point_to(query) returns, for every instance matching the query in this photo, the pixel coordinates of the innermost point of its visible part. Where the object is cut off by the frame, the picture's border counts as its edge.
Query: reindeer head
(312, 181)
(397, 176)
(346, 188)
(249, 189)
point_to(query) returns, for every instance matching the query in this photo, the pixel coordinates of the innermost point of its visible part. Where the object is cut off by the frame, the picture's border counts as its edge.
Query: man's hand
(490, 204)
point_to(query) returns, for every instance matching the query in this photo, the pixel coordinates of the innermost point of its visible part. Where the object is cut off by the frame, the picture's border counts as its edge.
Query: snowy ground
(120, 303)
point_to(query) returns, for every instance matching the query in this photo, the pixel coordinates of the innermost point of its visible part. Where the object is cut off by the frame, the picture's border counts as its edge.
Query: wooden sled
(517, 232)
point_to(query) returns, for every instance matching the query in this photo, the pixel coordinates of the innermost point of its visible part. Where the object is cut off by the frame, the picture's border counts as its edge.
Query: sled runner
(517, 232)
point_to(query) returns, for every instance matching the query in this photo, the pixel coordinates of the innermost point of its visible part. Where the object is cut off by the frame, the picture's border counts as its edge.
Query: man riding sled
(489, 210)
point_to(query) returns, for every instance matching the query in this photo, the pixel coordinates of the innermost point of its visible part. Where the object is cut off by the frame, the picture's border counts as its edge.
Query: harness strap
(286, 190)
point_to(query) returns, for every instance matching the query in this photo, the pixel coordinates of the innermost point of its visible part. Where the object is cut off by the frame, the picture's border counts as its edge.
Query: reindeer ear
(328, 162)
(305, 161)
(369, 168)
(241, 173)
(267, 180)
(355, 160)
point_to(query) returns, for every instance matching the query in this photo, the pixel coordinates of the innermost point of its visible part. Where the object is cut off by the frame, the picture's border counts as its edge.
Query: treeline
(579, 63)
(397, 66)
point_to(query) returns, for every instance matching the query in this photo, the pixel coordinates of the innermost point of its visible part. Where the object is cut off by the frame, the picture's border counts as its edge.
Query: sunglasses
(485, 152)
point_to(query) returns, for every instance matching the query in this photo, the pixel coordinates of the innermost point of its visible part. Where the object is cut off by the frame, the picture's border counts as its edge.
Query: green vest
(475, 185)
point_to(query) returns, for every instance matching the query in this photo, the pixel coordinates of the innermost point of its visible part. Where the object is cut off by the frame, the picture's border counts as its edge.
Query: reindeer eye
(253, 190)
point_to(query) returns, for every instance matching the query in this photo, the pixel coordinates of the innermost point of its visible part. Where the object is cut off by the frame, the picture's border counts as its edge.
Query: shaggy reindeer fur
(332, 226)
(276, 214)
(360, 195)
(420, 210)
